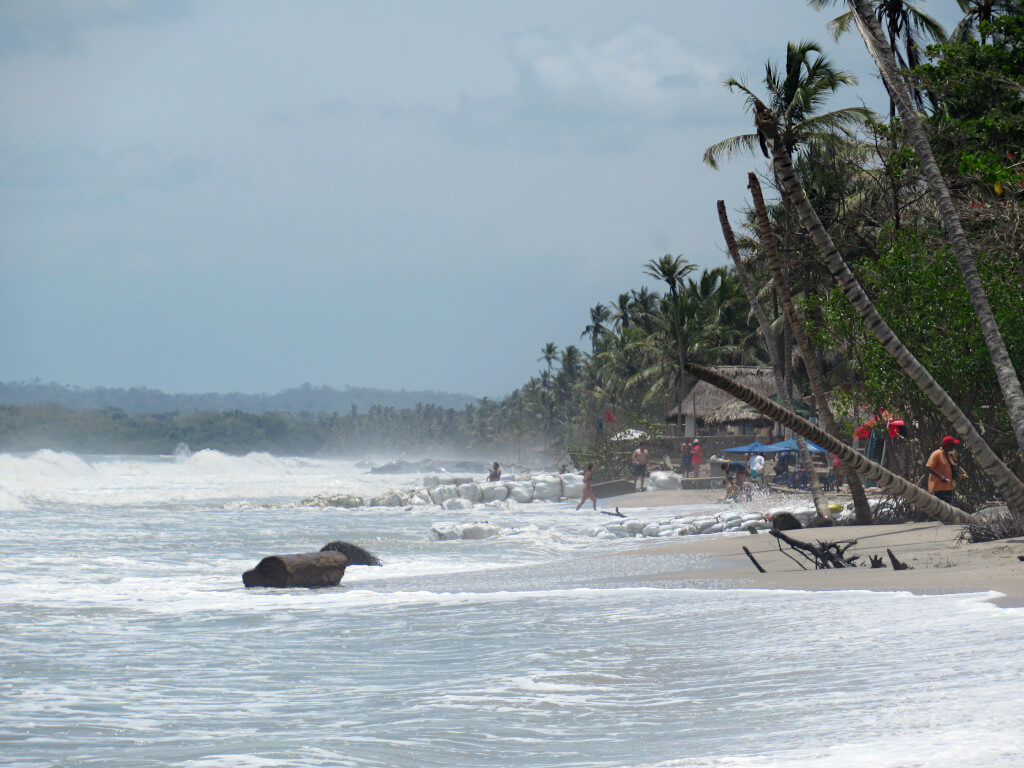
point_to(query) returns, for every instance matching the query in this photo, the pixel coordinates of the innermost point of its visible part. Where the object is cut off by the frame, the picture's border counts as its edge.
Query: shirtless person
(640, 457)
(588, 488)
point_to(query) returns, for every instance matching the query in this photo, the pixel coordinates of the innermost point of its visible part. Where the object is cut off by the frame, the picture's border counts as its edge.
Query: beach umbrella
(754, 447)
(790, 445)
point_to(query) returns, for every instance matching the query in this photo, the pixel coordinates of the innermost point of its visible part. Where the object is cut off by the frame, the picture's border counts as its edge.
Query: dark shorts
(639, 470)
(684, 461)
(946, 496)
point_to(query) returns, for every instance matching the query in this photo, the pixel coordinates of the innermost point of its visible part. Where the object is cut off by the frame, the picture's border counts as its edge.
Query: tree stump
(311, 569)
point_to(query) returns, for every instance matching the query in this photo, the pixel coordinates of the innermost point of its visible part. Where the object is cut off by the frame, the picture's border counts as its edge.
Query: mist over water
(128, 638)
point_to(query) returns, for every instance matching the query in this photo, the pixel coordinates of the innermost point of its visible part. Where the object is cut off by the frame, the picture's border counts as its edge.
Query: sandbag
(471, 492)
(493, 491)
(311, 569)
(442, 493)
(521, 492)
(356, 555)
(572, 485)
(547, 487)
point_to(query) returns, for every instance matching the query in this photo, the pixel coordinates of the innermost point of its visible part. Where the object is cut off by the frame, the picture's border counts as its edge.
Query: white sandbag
(419, 497)
(633, 527)
(572, 485)
(441, 493)
(493, 491)
(616, 529)
(703, 523)
(429, 481)
(521, 492)
(547, 487)
(651, 530)
(716, 528)
(606, 535)
(689, 530)
(665, 481)
(458, 504)
(479, 530)
(470, 491)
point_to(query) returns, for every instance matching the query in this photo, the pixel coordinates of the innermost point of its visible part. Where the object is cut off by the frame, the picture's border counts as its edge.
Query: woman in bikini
(588, 488)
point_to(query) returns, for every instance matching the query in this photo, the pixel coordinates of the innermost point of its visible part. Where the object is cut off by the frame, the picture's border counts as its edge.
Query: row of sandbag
(543, 487)
(724, 522)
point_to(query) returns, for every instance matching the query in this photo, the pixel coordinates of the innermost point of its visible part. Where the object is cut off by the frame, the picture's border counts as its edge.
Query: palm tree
(549, 354)
(1009, 383)
(860, 499)
(906, 25)
(796, 94)
(977, 12)
(572, 359)
(622, 311)
(1010, 487)
(599, 315)
(673, 269)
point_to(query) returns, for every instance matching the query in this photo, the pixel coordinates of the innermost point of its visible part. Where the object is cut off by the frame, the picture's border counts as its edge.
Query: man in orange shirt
(942, 470)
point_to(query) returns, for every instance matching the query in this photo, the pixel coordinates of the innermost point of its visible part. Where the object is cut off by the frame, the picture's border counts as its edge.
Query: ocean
(128, 639)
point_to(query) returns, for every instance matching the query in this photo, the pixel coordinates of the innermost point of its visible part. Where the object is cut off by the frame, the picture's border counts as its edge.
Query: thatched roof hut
(719, 410)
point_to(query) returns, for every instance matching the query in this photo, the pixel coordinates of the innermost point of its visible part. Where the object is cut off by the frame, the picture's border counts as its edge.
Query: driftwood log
(356, 555)
(823, 554)
(311, 569)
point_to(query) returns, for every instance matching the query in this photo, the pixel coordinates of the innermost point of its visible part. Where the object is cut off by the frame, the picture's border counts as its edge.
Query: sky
(245, 195)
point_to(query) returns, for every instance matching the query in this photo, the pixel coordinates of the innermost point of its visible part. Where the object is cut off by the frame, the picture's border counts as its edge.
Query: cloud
(58, 25)
(599, 97)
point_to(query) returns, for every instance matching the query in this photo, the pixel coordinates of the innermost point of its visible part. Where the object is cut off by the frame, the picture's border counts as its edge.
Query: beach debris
(876, 561)
(456, 531)
(824, 555)
(754, 561)
(310, 570)
(896, 564)
(346, 500)
(785, 521)
(356, 555)
(616, 513)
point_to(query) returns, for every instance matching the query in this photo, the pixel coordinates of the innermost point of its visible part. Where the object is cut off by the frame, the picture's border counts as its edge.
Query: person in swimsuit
(588, 488)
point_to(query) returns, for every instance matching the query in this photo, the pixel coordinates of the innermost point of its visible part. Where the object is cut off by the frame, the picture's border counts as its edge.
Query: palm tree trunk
(894, 484)
(817, 492)
(681, 348)
(860, 499)
(1010, 488)
(883, 55)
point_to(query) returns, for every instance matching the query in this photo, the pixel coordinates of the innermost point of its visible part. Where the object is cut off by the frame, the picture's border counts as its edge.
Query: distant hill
(303, 399)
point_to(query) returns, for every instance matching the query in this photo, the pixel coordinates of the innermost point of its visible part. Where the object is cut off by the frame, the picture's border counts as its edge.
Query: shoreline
(938, 564)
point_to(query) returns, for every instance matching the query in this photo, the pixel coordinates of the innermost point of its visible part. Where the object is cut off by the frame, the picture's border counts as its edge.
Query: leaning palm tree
(860, 499)
(1011, 488)
(906, 25)
(797, 94)
(926, 502)
(1006, 374)
(672, 270)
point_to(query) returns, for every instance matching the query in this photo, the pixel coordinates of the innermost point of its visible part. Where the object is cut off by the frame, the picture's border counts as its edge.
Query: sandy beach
(938, 563)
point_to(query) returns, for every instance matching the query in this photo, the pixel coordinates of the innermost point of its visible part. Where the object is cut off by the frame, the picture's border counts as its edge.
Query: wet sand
(939, 564)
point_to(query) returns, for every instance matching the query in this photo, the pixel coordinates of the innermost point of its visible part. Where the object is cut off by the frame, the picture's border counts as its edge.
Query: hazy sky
(248, 195)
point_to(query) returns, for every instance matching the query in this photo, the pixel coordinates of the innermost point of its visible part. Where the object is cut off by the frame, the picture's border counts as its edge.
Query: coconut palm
(1006, 374)
(1009, 486)
(797, 94)
(977, 12)
(599, 316)
(672, 270)
(906, 25)
(549, 354)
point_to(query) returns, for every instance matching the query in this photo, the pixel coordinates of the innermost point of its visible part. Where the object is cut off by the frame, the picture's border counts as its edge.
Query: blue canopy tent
(790, 445)
(754, 447)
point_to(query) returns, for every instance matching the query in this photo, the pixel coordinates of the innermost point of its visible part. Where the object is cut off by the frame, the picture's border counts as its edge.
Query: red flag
(609, 417)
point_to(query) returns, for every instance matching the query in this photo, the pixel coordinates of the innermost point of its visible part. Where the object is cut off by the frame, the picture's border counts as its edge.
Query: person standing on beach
(685, 458)
(588, 488)
(837, 470)
(640, 458)
(942, 470)
(695, 457)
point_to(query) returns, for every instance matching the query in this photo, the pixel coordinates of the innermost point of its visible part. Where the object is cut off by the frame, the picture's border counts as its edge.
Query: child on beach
(685, 457)
(588, 488)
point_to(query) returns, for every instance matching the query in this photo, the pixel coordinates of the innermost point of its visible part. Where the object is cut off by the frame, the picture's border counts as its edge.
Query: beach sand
(939, 564)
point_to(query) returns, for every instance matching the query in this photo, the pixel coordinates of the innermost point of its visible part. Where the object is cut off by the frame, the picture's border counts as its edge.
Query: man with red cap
(942, 470)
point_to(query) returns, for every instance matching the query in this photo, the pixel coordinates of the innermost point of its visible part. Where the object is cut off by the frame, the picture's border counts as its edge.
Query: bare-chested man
(640, 458)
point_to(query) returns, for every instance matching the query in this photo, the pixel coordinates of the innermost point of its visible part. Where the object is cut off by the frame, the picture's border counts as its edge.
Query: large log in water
(311, 569)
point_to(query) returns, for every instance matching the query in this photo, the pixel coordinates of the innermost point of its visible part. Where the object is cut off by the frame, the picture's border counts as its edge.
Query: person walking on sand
(695, 458)
(640, 458)
(588, 488)
(942, 470)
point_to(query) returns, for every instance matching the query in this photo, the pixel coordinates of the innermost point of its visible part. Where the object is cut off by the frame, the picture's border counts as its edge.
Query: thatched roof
(713, 406)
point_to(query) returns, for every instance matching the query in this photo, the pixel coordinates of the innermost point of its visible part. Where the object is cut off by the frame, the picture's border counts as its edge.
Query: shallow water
(128, 639)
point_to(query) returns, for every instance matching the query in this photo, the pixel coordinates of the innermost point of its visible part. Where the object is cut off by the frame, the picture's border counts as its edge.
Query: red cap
(948, 441)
